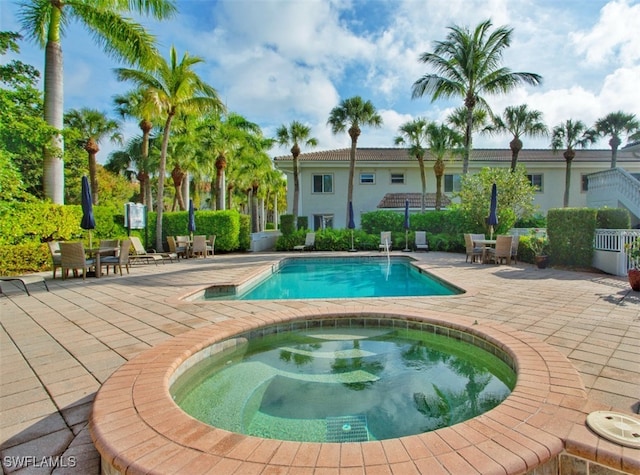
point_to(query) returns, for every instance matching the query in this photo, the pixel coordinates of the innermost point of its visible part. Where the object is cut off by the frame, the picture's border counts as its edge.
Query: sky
(275, 61)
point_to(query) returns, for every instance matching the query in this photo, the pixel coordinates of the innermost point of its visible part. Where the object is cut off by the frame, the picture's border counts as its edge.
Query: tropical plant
(45, 20)
(613, 125)
(353, 112)
(633, 252)
(538, 242)
(569, 135)
(415, 134)
(442, 141)
(93, 126)
(519, 121)
(292, 135)
(176, 87)
(468, 65)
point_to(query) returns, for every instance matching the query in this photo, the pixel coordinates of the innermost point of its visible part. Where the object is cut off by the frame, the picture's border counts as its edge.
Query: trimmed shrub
(287, 224)
(303, 222)
(571, 232)
(613, 218)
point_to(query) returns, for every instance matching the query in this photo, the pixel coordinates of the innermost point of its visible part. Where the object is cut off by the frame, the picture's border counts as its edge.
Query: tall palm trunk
(470, 103)
(614, 143)
(438, 170)
(423, 179)
(177, 176)
(162, 170)
(515, 145)
(354, 133)
(295, 151)
(569, 155)
(221, 164)
(53, 172)
(255, 226)
(143, 175)
(92, 149)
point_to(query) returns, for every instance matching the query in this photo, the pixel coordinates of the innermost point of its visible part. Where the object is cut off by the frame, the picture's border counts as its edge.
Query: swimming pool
(338, 277)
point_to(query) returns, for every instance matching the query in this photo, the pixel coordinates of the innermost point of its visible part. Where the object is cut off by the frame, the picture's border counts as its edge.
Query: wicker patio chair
(122, 259)
(73, 257)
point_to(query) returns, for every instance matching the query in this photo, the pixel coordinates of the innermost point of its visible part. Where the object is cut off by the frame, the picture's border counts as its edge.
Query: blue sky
(275, 61)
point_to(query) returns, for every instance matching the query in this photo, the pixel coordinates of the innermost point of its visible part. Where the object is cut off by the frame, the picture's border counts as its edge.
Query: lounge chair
(421, 243)
(56, 259)
(199, 247)
(25, 280)
(140, 253)
(385, 241)
(309, 243)
(502, 251)
(473, 251)
(174, 248)
(122, 259)
(73, 257)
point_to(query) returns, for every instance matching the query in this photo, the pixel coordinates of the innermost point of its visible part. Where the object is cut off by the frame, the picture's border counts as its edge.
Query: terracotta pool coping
(137, 428)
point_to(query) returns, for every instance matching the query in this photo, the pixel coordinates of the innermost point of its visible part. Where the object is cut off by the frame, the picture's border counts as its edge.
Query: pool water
(342, 278)
(344, 384)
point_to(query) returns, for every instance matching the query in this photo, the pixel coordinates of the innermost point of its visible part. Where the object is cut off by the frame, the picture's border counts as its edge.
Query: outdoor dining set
(504, 248)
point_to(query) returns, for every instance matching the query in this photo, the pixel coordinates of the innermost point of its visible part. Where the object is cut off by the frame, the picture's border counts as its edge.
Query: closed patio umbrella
(351, 225)
(406, 226)
(492, 220)
(88, 221)
(192, 219)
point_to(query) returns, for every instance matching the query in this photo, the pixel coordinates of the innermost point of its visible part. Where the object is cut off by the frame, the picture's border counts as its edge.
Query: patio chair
(109, 243)
(176, 249)
(502, 251)
(56, 258)
(140, 254)
(309, 243)
(199, 247)
(385, 241)
(515, 243)
(421, 243)
(211, 245)
(473, 252)
(122, 259)
(73, 257)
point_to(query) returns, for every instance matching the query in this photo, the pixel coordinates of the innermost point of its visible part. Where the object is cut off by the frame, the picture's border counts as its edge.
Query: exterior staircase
(615, 188)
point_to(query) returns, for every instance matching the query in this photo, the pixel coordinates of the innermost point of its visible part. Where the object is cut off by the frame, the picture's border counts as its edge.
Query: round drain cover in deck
(616, 427)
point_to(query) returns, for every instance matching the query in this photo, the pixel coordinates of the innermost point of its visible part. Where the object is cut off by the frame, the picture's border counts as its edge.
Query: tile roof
(499, 155)
(396, 200)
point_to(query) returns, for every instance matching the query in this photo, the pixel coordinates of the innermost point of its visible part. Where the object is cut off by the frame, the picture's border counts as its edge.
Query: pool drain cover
(347, 428)
(619, 428)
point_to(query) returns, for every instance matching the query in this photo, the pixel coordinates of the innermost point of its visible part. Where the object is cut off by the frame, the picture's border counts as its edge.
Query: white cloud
(614, 37)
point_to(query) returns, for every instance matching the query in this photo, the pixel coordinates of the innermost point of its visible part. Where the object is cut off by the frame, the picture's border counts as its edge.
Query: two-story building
(385, 177)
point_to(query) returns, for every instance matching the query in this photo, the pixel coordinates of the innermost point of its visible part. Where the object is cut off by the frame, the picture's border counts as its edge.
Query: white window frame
(393, 178)
(369, 180)
(530, 177)
(313, 183)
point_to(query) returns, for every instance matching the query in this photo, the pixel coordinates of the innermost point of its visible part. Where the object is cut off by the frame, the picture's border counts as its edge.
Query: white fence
(609, 254)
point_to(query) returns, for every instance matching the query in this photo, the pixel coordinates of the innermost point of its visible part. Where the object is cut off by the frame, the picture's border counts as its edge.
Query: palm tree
(414, 134)
(519, 121)
(176, 87)
(570, 135)
(44, 21)
(139, 105)
(442, 140)
(93, 127)
(293, 135)
(613, 125)
(353, 112)
(468, 65)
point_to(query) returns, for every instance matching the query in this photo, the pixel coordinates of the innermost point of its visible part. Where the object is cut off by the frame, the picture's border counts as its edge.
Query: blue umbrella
(492, 220)
(192, 218)
(406, 226)
(88, 221)
(352, 224)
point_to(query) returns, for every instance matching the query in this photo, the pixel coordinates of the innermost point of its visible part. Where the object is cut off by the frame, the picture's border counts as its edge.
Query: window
(322, 221)
(584, 179)
(397, 178)
(323, 183)
(451, 183)
(367, 178)
(536, 180)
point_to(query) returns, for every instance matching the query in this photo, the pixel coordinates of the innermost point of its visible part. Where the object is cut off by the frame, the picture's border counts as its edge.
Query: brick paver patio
(58, 347)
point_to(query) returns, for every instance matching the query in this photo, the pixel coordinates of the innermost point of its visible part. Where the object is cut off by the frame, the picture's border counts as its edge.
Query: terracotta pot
(542, 261)
(634, 279)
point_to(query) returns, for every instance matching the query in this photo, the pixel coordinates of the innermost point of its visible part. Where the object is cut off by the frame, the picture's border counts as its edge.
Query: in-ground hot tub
(137, 427)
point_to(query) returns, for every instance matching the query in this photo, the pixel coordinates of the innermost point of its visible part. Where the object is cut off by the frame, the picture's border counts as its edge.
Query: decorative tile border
(137, 428)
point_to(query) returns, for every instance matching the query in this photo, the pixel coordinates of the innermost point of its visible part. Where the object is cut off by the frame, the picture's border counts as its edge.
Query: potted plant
(633, 252)
(538, 243)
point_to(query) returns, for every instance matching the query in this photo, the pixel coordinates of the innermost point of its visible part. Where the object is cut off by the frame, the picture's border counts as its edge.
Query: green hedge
(571, 232)
(613, 218)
